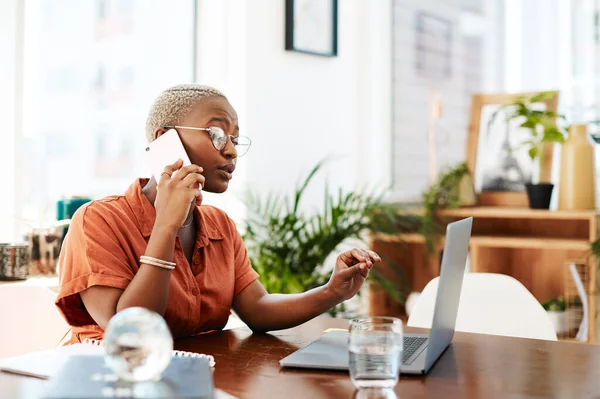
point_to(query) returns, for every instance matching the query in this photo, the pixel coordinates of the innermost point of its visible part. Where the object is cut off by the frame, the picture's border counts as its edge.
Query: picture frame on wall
(499, 164)
(311, 26)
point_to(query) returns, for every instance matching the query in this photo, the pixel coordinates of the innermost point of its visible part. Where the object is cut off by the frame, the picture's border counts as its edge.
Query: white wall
(538, 46)
(11, 34)
(424, 30)
(299, 108)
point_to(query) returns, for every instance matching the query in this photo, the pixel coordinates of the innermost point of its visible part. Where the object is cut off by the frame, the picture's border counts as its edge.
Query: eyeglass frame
(207, 129)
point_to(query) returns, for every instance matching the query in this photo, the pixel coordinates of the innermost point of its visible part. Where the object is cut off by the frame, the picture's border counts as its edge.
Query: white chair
(489, 304)
(30, 320)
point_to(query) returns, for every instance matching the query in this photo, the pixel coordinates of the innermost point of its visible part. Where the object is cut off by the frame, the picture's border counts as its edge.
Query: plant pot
(573, 318)
(466, 191)
(558, 321)
(539, 195)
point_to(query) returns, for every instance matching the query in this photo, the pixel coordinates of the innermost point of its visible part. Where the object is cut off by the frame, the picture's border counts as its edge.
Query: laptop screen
(452, 271)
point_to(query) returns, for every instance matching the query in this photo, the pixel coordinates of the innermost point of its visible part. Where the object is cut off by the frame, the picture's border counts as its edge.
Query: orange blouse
(105, 241)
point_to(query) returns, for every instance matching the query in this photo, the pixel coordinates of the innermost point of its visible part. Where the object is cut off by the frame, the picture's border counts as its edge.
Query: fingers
(174, 166)
(188, 176)
(351, 257)
(358, 261)
(363, 269)
(185, 171)
(194, 180)
(357, 255)
(169, 170)
(373, 255)
(360, 268)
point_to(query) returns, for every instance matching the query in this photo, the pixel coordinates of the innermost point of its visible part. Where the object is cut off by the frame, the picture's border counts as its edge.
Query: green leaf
(528, 124)
(542, 97)
(557, 304)
(288, 245)
(533, 153)
(552, 135)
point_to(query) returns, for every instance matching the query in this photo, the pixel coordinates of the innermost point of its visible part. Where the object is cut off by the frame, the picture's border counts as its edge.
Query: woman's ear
(159, 132)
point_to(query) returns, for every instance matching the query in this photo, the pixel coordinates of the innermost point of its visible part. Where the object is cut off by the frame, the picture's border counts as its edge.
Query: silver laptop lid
(452, 271)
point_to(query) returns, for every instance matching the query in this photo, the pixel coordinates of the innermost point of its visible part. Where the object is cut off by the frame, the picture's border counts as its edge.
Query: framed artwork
(311, 26)
(500, 166)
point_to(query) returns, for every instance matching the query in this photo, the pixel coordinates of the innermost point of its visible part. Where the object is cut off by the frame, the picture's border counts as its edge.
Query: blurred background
(389, 102)
(77, 78)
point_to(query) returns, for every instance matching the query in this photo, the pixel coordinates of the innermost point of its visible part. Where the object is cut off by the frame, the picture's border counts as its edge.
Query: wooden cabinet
(534, 246)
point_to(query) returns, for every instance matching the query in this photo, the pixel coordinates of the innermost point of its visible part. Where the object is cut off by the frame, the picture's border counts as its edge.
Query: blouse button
(195, 291)
(196, 260)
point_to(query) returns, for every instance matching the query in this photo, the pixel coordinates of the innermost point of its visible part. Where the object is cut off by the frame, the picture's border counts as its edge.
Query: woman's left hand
(351, 269)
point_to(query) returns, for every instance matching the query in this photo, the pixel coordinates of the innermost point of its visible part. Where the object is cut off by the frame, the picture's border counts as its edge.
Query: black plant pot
(539, 195)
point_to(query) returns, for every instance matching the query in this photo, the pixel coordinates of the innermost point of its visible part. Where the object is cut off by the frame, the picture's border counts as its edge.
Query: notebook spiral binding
(210, 358)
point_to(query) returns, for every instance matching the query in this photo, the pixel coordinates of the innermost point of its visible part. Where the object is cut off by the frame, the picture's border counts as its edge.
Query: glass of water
(375, 349)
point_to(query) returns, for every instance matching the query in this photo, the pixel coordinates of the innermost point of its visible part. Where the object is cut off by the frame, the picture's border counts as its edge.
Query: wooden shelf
(533, 246)
(517, 213)
(530, 243)
(408, 238)
(499, 241)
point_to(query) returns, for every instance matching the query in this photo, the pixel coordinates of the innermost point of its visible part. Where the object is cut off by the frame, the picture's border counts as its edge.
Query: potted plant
(453, 188)
(555, 308)
(544, 130)
(448, 191)
(290, 247)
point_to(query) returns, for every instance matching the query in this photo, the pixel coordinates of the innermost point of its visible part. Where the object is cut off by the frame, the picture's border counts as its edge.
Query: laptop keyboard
(411, 345)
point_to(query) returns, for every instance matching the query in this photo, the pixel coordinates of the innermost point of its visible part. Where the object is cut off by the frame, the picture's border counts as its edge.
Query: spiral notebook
(45, 364)
(88, 377)
(209, 358)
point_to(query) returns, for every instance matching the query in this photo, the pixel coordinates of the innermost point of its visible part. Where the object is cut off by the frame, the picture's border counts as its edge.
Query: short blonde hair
(175, 103)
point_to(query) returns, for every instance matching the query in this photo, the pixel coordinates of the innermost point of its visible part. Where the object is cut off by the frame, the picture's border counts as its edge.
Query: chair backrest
(30, 320)
(489, 304)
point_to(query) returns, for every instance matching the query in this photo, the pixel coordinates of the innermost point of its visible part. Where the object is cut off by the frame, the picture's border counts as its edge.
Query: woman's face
(218, 165)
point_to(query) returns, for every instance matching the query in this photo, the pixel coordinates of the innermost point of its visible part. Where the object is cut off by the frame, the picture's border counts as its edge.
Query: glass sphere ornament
(138, 345)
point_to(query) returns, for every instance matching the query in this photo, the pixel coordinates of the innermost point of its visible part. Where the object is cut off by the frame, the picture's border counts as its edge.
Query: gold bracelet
(164, 262)
(149, 262)
(157, 262)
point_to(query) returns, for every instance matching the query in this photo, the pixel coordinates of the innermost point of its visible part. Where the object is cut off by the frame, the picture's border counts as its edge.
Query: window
(91, 71)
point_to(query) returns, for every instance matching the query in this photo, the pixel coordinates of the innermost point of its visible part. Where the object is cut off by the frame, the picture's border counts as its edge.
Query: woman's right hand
(177, 189)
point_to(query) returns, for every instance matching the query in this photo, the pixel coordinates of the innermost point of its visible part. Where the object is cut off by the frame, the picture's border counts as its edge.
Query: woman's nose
(229, 151)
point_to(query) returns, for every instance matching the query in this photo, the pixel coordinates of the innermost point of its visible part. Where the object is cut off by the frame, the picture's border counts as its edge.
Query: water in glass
(375, 347)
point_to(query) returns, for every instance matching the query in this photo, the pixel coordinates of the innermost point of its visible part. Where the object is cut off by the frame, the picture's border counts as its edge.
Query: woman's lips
(225, 174)
(226, 170)
(229, 168)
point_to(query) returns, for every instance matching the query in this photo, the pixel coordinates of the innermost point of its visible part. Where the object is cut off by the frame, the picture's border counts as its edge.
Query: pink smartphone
(164, 151)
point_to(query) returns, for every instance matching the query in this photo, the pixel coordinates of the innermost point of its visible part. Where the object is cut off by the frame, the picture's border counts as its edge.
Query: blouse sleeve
(91, 255)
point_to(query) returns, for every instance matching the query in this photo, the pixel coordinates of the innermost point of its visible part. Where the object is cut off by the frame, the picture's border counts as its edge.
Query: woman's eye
(234, 140)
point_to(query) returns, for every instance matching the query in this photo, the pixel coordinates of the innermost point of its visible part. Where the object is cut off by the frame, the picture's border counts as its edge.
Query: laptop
(421, 351)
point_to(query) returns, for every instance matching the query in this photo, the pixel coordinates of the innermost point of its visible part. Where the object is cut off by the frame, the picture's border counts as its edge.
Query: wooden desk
(475, 366)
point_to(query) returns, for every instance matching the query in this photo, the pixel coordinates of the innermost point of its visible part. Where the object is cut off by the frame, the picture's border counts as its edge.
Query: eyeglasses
(220, 138)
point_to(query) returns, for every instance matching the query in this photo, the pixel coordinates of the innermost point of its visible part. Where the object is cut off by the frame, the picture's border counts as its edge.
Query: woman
(158, 248)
